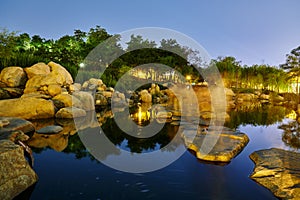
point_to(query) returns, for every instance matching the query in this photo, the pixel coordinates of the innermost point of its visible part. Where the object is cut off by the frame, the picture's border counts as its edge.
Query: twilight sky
(253, 31)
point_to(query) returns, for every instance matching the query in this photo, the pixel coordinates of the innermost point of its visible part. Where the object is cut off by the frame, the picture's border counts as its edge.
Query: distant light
(188, 77)
(81, 65)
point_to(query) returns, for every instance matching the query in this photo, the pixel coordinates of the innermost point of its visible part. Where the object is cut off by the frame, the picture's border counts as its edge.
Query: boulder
(75, 87)
(245, 97)
(95, 81)
(229, 92)
(58, 70)
(27, 108)
(164, 115)
(100, 100)
(205, 106)
(228, 144)
(279, 171)
(145, 96)
(15, 172)
(40, 81)
(86, 99)
(66, 100)
(13, 76)
(264, 97)
(70, 112)
(37, 69)
(50, 130)
(106, 94)
(36, 95)
(278, 99)
(54, 90)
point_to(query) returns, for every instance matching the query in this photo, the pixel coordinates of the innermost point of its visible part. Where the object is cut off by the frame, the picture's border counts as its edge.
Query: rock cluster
(47, 91)
(279, 171)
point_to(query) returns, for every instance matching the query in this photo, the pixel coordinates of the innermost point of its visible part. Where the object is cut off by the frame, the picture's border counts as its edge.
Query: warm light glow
(81, 65)
(188, 77)
(292, 115)
(141, 116)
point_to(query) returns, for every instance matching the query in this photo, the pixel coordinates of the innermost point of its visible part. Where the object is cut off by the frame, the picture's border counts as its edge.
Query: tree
(292, 66)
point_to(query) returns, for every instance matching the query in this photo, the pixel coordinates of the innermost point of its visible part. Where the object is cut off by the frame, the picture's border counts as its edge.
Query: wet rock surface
(279, 171)
(16, 175)
(15, 172)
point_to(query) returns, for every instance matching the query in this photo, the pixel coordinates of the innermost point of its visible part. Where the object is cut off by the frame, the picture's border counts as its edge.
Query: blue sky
(253, 31)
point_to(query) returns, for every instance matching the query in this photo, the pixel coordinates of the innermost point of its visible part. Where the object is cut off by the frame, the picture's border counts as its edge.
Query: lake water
(75, 174)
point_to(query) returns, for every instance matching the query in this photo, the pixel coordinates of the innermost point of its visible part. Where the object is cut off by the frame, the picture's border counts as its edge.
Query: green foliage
(262, 77)
(70, 50)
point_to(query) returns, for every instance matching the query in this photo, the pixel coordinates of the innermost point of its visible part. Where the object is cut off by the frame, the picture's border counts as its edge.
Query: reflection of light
(140, 74)
(141, 116)
(292, 115)
(81, 65)
(188, 77)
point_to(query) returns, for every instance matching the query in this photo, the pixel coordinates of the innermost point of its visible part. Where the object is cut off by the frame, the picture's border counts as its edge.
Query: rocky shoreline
(47, 92)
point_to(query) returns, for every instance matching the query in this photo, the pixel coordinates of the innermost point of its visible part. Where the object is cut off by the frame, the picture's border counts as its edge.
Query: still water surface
(75, 174)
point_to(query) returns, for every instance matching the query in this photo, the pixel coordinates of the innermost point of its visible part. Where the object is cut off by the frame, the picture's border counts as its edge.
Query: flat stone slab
(216, 144)
(279, 171)
(50, 130)
(10, 124)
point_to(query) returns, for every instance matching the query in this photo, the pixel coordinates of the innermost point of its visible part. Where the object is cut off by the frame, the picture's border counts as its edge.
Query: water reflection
(257, 114)
(69, 142)
(142, 115)
(291, 134)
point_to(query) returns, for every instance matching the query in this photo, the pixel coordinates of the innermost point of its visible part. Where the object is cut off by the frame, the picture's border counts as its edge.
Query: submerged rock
(279, 171)
(225, 146)
(50, 130)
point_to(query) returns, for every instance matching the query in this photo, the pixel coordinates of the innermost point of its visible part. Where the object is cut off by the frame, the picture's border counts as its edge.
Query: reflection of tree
(291, 134)
(256, 115)
(137, 145)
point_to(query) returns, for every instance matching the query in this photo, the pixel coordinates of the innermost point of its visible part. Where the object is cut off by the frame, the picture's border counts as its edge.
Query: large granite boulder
(15, 172)
(70, 112)
(279, 171)
(47, 83)
(27, 108)
(228, 144)
(86, 99)
(37, 69)
(66, 100)
(146, 97)
(13, 76)
(60, 71)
